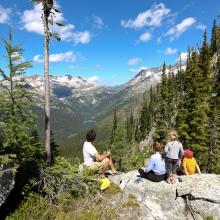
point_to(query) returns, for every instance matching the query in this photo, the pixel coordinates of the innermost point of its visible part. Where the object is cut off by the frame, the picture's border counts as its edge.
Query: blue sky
(107, 42)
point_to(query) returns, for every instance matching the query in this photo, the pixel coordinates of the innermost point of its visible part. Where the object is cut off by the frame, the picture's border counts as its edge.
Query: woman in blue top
(155, 170)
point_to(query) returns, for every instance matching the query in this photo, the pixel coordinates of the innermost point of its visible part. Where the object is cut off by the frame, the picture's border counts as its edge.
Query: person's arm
(149, 166)
(198, 169)
(101, 157)
(166, 148)
(185, 169)
(181, 151)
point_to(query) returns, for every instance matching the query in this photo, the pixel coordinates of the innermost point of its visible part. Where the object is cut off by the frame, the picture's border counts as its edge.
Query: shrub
(35, 207)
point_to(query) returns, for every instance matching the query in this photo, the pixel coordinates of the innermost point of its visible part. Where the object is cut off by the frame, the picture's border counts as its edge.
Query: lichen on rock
(196, 196)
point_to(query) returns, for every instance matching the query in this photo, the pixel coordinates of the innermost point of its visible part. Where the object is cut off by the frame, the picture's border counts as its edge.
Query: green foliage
(61, 178)
(131, 202)
(113, 189)
(114, 127)
(213, 46)
(35, 207)
(163, 106)
(16, 117)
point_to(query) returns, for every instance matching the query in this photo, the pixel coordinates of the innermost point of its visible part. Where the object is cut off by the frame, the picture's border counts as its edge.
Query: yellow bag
(105, 183)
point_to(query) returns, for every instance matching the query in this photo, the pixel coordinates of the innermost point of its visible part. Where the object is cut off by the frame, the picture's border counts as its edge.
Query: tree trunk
(47, 90)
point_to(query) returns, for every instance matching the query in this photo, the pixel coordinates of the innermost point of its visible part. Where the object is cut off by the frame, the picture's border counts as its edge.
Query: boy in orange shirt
(189, 163)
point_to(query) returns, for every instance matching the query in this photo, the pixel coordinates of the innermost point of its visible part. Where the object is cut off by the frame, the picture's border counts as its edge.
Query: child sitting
(189, 163)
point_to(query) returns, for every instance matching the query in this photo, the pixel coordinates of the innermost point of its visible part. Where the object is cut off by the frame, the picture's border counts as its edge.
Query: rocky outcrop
(193, 197)
(7, 181)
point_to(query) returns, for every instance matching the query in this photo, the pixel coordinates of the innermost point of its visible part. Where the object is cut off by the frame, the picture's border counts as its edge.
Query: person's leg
(142, 173)
(114, 171)
(156, 178)
(105, 166)
(152, 176)
(174, 167)
(169, 170)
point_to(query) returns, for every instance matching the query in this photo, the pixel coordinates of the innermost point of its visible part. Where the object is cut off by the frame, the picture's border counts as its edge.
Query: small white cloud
(201, 27)
(93, 79)
(183, 57)
(98, 22)
(159, 40)
(98, 66)
(59, 57)
(180, 28)
(81, 37)
(134, 61)
(170, 51)
(38, 59)
(32, 22)
(5, 15)
(145, 37)
(151, 17)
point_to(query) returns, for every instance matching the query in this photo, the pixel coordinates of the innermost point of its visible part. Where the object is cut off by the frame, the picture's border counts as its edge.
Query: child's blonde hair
(172, 133)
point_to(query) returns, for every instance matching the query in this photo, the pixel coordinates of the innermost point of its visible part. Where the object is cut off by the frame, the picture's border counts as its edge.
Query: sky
(108, 42)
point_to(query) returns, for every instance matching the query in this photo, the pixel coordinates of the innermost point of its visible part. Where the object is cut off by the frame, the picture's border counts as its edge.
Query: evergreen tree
(182, 81)
(213, 46)
(162, 116)
(130, 127)
(213, 158)
(114, 127)
(17, 118)
(151, 109)
(196, 105)
(119, 145)
(144, 115)
(137, 132)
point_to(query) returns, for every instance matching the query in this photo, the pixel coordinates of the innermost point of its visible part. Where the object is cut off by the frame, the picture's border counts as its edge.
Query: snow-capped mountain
(147, 77)
(63, 86)
(77, 103)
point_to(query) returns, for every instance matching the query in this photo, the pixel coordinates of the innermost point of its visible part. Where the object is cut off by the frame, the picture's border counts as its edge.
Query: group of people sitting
(163, 164)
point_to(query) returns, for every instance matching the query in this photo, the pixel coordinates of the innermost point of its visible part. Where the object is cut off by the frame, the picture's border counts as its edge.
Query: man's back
(89, 153)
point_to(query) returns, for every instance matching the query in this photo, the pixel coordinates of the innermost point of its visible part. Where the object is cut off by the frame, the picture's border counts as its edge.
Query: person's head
(157, 147)
(90, 136)
(188, 153)
(173, 136)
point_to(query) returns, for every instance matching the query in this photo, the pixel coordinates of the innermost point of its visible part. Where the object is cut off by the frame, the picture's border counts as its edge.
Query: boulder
(7, 181)
(193, 197)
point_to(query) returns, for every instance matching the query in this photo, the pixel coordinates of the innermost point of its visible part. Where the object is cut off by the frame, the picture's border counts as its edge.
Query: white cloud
(201, 27)
(170, 51)
(59, 57)
(81, 37)
(145, 37)
(159, 40)
(180, 28)
(93, 79)
(38, 59)
(183, 57)
(98, 66)
(4, 15)
(98, 22)
(134, 61)
(32, 22)
(151, 17)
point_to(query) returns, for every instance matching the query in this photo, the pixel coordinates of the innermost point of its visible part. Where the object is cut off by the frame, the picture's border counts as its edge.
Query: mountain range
(77, 103)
